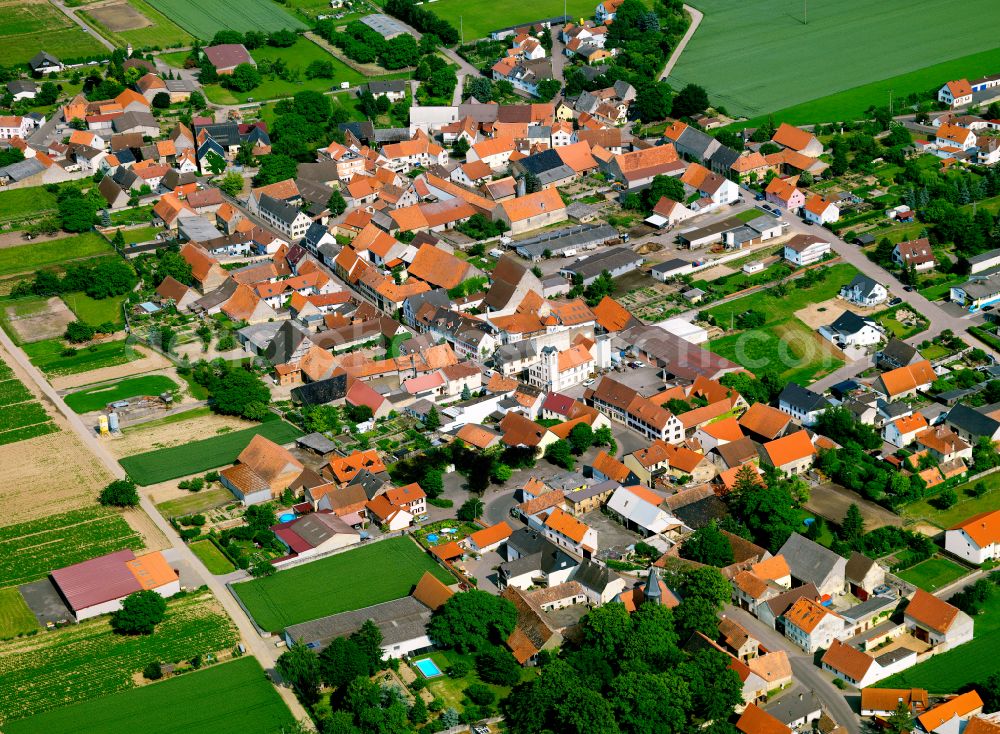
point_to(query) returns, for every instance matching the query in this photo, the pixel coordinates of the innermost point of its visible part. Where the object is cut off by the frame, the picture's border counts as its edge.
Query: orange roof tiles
(533, 205)
(647, 495)
(437, 267)
(611, 315)
(792, 137)
(345, 468)
(764, 420)
(929, 611)
(448, 551)
(241, 304)
(817, 204)
(806, 614)
(564, 523)
(910, 423)
(152, 570)
(431, 592)
(610, 467)
(961, 706)
(756, 720)
(771, 569)
(910, 377)
(574, 357)
(886, 699)
(491, 535)
(751, 585)
(983, 528)
(847, 660)
(577, 156)
(793, 447)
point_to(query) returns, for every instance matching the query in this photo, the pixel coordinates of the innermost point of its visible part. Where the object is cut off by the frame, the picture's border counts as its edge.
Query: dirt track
(137, 439)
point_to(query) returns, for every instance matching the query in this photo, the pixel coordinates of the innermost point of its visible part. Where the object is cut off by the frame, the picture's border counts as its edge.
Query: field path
(71, 14)
(262, 649)
(696, 16)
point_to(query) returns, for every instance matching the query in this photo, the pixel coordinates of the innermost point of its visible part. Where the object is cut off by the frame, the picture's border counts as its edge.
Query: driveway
(484, 571)
(45, 602)
(803, 669)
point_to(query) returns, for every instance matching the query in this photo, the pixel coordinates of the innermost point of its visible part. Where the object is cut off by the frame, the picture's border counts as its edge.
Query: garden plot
(33, 319)
(826, 312)
(118, 17)
(158, 435)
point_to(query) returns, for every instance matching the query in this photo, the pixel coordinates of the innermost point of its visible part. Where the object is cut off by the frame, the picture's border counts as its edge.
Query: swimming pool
(427, 667)
(287, 517)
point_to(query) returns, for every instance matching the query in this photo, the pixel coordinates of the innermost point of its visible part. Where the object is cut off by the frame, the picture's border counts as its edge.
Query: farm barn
(98, 586)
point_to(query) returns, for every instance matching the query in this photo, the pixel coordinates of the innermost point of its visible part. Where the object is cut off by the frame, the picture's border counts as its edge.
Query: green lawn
(196, 502)
(789, 63)
(298, 56)
(140, 234)
(966, 507)
(784, 345)
(452, 690)
(478, 19)
(18, 205)
(899, 330)
(27, 27)
(204, 20)
(941, 290)
(934, 351)
(230, 698)
(95, 398)
(30, 550)
(375, 573)
(198, 456)
(212, 557)
(15, 616)
(85, 661)
(934, 573)
(952, 671)
(48, 356)
(30, 257)
(95, 311)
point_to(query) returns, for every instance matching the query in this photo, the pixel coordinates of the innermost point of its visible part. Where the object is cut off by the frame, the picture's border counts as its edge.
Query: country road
(696, 17)
(260, 648)
(71, 14)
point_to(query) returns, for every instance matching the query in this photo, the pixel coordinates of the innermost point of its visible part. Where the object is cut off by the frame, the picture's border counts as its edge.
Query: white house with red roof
(315, 534)
(976, 539)
(820, 210)
(914, 253)
(956, 93)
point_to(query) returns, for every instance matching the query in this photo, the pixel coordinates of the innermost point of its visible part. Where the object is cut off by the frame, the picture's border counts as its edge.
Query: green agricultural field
(30, 257)
(934, 573)
(15, 616)
(17, 205)
(297, 56)
(47, 355)
(27, 27)
(786, 62)
(966, 507)
(212, 557)
(478, 19)
(158, 32)
(376, 573)
(87, 660)
(952, 671)
(206, 499)
(230, 698)
(198, 456)
(95, 398)
(21, 416)
(204, 20)
(93, 311)
(784, 345)
(30, 550)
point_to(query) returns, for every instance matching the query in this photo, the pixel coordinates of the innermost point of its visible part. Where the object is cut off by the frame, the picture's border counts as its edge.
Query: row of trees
(423, 20)
(366, 45)
(233, 390)
(108, 277)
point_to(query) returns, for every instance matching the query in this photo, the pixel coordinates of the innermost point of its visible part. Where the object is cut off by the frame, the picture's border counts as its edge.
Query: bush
(480, 694)
(120, 493)
(458, 669)
(497, 665)
(438, 502)
(78, 332)
(153, 671)
(140, 613)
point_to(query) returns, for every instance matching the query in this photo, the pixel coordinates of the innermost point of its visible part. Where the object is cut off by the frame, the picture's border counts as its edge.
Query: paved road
(804, 670)
(71, 14)
(696, 16)
(558, 54)
(263, 650)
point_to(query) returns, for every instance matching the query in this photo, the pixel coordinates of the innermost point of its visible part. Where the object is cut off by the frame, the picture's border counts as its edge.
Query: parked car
(908, 288)
(758, 197)
(895, 301)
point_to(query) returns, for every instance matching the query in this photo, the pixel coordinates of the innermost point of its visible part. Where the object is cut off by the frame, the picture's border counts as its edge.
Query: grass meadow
(49, 356)
(934, 573)
(784, 344)
(30, 257)
(231, 698)
(27, 27)
(204, 20)
(375, 573)
(95, 311)
(15, 616)
(760, 56)
(160, 465)
(95, 398)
